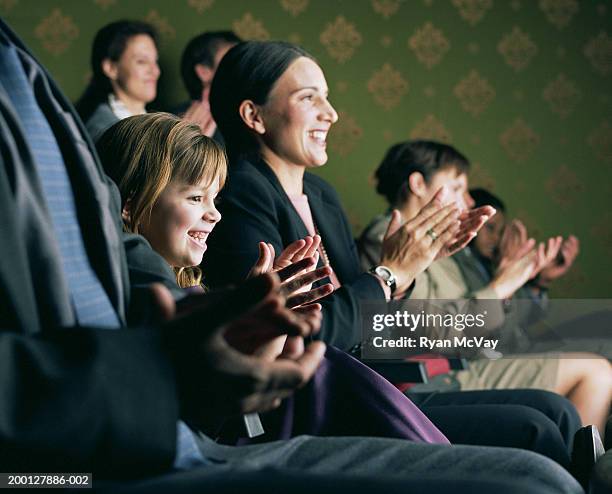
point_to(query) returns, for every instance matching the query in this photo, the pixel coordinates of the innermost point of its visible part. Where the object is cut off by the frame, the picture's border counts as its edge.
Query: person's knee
(604, 376)
(562, 412)
(547, 401)
(599, 372)
(536, 431)
(556, 407)
(584, 367)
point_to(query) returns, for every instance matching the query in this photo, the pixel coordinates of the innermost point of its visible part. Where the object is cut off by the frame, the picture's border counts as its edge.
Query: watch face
(384, 273)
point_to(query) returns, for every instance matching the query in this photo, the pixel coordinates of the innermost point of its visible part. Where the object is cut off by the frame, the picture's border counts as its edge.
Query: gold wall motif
(105, 4)
(387, 86)
(519, 140)
(559, 12)
(7, 5)
(248, 27)
(474, 93)
(200, 5)
(429, 45)
(431, 128)
(600, 141)
(57, 31)
(517, 49)
(161, 24)
(294, 7)
(562, 96)
(386, 8)
(473, 11)
(341, 39)
(565, 186)
(599, 52)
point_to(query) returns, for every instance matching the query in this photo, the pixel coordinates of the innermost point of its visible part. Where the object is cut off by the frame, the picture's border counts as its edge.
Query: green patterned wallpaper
(522, 87)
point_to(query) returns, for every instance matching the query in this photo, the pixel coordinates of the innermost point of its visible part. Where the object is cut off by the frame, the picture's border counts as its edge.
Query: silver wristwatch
(385, 274)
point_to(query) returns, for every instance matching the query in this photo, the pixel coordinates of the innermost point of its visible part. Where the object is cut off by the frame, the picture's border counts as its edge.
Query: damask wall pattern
(522, 87)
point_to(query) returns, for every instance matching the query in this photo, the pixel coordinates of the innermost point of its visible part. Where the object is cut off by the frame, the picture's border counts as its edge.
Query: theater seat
(601, 478)
(434, 366)
(400, 371)
(404, 374)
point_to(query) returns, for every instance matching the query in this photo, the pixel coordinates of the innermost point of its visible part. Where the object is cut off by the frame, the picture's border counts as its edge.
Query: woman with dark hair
(408, 176)
(433, 165)
(483, 196)
(199, 62)
(269, 100)
(124, 75)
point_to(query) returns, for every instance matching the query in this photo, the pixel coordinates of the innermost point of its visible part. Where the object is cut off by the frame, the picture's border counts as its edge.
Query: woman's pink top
(300, 203)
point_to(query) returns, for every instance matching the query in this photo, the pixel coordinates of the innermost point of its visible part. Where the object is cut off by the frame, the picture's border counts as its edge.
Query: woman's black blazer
(255, 208)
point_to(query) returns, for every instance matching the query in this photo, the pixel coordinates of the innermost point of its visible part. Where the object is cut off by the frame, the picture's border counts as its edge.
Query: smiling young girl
(169, 175)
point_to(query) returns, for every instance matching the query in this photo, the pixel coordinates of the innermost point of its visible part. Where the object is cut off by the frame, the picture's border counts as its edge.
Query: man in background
(199, 63)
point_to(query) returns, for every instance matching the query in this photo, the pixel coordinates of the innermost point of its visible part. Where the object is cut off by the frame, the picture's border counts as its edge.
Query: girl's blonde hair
(144, 153)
